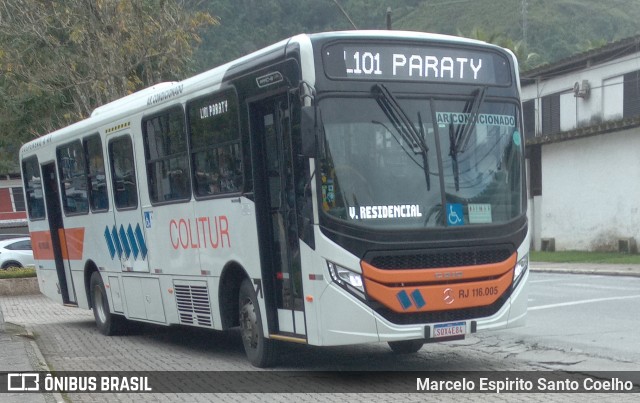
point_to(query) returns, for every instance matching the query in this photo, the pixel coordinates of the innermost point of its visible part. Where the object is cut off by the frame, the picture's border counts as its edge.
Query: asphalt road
(594, 318)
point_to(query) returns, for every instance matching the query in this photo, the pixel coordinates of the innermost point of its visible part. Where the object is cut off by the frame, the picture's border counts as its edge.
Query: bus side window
(98, 198)
(73, 178)
(165, 150)
(123, 174)
(33, 188)
(215, 145)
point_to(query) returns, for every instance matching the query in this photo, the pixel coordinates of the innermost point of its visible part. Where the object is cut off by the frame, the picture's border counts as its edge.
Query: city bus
(331, 189)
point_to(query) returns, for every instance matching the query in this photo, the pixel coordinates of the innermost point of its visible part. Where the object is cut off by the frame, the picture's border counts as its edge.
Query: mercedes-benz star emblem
(448, 296)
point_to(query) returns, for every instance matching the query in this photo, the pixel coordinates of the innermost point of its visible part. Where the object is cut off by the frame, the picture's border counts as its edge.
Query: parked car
(16, 252)
(11, 236)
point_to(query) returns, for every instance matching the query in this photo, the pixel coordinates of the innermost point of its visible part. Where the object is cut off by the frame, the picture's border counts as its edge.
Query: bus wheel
(406, 346)
(107, 323)
(260, 351)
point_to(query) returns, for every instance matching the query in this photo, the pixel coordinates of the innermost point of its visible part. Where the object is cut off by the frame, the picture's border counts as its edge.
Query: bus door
(274, 183)
(125, 239)
(56, 229)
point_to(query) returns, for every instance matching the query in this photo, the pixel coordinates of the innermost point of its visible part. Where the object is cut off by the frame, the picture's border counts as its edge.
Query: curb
(576, 268)
(19, 286)
(41, 361)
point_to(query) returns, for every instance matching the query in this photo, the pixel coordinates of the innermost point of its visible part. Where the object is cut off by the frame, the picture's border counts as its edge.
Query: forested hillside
(554, 28)
(60, 60)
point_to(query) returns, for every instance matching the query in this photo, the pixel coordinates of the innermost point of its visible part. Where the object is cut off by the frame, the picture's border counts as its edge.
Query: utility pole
(524, 23)
(389, 18)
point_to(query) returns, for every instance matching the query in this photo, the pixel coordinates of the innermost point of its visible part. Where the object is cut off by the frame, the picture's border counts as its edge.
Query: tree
(59, 60)
(525, 58)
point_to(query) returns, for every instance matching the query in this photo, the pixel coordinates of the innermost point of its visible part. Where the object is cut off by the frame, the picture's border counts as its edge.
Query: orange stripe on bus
(436, 274)
(42, 245)
(71, 243)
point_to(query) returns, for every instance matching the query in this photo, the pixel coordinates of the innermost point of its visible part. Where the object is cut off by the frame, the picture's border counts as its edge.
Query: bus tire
(107, 323)
(406, 346)
(260, 350)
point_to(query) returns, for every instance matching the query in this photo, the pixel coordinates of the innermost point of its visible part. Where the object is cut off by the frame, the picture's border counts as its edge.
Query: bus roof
(131, 99)
(400, 35)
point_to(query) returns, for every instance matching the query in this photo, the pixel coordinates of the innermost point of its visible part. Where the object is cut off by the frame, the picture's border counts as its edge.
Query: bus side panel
(92, 246)
(314, 283)
(48, 283)
(189, 245)
(172, 239)
(44, 263)
(228, 234)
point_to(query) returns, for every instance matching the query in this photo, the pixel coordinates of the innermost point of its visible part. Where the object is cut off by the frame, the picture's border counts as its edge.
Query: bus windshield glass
(399, 163)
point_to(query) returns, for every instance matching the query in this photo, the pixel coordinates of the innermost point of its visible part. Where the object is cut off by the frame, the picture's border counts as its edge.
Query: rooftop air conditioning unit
(581, 90)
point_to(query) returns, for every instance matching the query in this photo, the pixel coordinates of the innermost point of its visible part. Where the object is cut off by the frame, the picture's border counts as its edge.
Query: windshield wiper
(403, 125)
(459, 139)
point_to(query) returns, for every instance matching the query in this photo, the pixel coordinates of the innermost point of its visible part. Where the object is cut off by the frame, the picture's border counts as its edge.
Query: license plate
(450, 329)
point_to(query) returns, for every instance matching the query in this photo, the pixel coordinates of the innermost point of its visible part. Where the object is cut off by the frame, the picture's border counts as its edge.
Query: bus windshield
(421, 162)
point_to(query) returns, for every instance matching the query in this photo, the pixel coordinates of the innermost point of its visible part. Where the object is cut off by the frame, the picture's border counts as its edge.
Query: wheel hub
(248, 324)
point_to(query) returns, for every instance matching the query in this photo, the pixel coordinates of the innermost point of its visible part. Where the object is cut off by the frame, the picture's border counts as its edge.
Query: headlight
(520, 269)
(347, 279)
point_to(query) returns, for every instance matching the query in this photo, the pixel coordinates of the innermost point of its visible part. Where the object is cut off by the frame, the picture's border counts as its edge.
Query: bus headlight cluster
(346, 278)
(520, 269)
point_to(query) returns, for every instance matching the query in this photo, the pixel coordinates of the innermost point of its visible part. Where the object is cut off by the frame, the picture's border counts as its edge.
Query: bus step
(281, 337)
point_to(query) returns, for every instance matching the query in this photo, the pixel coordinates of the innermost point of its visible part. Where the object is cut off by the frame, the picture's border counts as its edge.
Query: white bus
(331, 189)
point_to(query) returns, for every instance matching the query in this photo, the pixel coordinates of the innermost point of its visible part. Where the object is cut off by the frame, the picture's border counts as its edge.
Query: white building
(582, 125)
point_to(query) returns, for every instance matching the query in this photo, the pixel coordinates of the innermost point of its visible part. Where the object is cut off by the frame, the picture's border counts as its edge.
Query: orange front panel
(42, 245)
(438, 274)
(407, 299)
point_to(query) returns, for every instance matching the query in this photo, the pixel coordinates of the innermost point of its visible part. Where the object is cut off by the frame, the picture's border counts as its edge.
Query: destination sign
(415, 63)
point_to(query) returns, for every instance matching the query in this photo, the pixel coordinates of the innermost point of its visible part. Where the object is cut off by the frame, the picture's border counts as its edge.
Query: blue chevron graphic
(110, 245)
(132, 241)
(116, 241)
(141, 242)
(124, 243)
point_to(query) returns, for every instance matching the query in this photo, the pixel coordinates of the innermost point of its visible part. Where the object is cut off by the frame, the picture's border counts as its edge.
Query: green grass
(585, 257)
(15, 272)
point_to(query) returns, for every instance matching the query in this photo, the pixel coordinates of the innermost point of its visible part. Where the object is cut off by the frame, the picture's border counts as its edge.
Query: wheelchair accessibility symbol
(455, 214)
